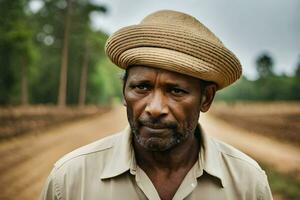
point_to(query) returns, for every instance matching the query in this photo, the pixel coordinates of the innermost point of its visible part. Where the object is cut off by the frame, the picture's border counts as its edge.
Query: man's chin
(156, 144)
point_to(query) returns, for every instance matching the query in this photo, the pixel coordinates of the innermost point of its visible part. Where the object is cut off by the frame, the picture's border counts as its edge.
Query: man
(174, 65)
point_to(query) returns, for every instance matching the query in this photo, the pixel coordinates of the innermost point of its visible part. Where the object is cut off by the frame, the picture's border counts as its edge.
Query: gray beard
(179, 136)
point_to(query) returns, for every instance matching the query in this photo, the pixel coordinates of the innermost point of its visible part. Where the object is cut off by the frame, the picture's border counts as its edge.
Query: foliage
(297, 74)
(37, 37)
(16, 48)
(82, 39)
(283, 184)
(264, 65)
(34, 40)
(104, 80)
(268, 87)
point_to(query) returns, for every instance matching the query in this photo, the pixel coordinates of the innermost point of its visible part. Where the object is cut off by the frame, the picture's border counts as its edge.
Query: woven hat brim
(170, 60)
(176, 49)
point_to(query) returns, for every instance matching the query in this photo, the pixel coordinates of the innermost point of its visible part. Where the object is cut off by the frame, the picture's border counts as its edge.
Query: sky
(247, 28)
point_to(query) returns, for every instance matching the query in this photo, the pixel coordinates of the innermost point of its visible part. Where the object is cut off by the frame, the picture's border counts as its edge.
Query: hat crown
(177, 42)
(185, 21)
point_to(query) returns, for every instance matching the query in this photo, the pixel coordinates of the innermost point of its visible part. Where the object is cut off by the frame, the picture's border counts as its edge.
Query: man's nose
(156, 106)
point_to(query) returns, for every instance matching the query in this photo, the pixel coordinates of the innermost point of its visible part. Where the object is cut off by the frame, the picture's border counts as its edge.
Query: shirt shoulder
(241, 170)
(78, 173)
(236, 156)
(98, 147)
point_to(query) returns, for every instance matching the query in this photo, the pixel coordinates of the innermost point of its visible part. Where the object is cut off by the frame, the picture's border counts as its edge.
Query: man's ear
(123, 93)
(124, 101)
(208, 97)
(123, 97)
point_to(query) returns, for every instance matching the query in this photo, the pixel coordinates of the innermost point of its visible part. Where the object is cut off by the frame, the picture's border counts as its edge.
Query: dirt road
(26, 161)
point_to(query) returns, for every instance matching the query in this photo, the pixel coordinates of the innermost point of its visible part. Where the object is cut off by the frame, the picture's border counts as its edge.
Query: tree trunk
(83, 77)
(24, 83)
(64, 62)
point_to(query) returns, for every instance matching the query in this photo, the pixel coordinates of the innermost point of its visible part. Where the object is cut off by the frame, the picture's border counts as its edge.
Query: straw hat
(177, 42)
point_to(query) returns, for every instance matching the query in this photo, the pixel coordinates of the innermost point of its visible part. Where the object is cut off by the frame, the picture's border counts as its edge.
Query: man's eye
(140, 87)
(178, 91)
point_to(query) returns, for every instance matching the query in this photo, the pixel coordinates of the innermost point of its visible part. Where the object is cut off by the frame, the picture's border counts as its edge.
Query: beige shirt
(106, 169)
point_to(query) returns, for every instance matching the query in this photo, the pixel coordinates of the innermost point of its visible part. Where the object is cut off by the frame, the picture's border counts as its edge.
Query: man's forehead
(144, 72)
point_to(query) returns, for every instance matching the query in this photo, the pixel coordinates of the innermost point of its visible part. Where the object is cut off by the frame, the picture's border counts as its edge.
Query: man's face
(162, 107)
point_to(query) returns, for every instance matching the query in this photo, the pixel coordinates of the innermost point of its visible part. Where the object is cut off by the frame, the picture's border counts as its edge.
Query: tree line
(267, 87)
(52, 55)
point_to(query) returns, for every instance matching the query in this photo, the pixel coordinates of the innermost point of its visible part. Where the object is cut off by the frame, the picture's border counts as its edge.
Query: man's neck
(182, 156)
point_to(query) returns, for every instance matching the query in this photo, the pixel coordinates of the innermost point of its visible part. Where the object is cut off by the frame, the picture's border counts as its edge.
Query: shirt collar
(122, 158)
(210, 157)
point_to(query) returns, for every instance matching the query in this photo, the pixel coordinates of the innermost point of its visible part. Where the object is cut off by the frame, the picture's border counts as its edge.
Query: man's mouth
(155, 129)
(155, 126)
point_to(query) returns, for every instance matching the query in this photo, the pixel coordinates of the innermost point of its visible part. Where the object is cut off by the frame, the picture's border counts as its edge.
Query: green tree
(89, 44)
(83, 49)
(16, 52)
(264, 65)
(297, 72)
(268, 87)
(64, 56)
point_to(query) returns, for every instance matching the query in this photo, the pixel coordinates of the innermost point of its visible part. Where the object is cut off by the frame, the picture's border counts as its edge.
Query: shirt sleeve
(265, 191)
(48, 191)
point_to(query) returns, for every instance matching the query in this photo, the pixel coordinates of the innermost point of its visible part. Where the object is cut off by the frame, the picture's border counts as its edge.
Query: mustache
(157, 123)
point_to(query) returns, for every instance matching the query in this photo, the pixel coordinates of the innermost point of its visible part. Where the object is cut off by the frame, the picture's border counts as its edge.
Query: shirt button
(193, 185)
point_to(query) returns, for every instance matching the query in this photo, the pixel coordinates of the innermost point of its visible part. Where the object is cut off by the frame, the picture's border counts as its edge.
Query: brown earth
(26, 161)
(279, 120)
(19, 120)
(282, 157)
